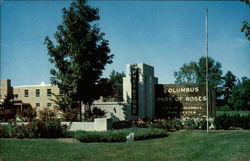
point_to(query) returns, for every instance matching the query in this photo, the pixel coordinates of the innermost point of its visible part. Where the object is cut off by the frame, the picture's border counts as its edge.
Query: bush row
(166, 124)
(146, 133)
(36, 129)
(108, 136)
(119, 135)
(30, 114)
(227, 121)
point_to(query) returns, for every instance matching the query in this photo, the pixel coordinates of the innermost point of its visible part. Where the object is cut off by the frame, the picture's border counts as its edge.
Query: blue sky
(163, 34)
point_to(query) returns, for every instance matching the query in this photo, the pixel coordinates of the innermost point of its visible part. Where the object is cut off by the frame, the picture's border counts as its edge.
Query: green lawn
(218, 113)
(178, 146)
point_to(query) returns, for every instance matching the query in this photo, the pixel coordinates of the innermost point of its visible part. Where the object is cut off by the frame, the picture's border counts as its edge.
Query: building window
(49, 104)
(15, 96)
(49, 92)
(37, 105)
(37, 92)
(26, 93)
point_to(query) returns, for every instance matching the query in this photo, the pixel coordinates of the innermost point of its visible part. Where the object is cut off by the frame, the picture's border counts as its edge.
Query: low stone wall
(99, 124)
(115, 110)
(75, 126)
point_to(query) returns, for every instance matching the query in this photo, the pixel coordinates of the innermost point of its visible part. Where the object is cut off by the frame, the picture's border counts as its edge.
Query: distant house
(37, 96)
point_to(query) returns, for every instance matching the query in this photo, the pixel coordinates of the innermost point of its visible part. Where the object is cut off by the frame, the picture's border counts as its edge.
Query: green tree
(116, 77)
(116, 82)
(195, 72)
(214, 73)
(229, 83)
(7, 108)
(187, 73)
(246, 29)
(80, 54)
(7, 102)
(246, 26)
(240, 95)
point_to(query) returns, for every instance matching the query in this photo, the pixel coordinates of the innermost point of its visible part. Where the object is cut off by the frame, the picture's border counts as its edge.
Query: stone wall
(146, 91)
(99, 124)
(115, 110)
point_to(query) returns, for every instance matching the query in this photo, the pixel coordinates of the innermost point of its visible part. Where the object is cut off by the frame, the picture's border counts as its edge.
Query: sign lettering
(181, 100)
(134, 89)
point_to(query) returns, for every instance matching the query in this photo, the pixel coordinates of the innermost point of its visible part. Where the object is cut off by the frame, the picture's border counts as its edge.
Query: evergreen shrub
(119, 135)
(227, 121)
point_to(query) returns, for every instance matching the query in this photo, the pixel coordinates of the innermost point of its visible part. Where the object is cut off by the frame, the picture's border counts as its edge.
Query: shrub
(27, 115)
(122, 124)
(223, 108)
(94, 113)
(202, 123)
(245, 121)
(147, 133)
(190, 124)
(226, 121)
(5, 131)
(119, 135)
(7, 114)
(70, 115)
(46, 114)
(165, 125)
(141, 123)
(109, 136)
(17, 131)
(223, 122)
(175, 124)
(170, 124)
(36, 129)
(49, 129)
(23, 131)
(70, 134)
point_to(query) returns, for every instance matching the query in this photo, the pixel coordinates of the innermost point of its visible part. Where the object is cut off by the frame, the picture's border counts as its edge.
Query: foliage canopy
(195, 72)
(79, 56)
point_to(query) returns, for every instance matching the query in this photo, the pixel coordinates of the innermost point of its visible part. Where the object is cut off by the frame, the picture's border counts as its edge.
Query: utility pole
(206, 46)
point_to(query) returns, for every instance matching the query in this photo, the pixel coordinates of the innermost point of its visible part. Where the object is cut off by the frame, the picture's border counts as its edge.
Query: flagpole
(207, 64)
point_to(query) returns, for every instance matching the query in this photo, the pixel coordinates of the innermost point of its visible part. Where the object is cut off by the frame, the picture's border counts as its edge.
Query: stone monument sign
(182, 100)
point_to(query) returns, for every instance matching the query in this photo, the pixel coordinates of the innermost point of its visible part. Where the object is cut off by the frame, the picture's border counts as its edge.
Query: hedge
(227, 121)
(35, 129)
(119, 135)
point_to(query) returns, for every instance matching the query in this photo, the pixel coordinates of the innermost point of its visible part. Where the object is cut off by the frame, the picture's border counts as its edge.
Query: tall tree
(80, 54)
(229, 83)
(116, 82)
(187, 73)
(195, 72)
(240, 95)
(214, 74)
(116, 77)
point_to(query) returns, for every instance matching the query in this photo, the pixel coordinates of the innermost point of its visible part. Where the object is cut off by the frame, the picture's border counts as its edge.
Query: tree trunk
(80, 110)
